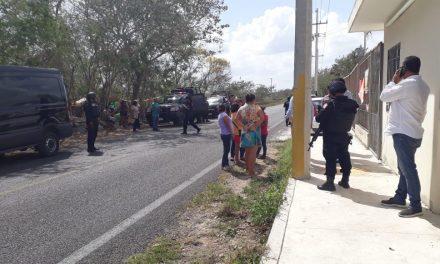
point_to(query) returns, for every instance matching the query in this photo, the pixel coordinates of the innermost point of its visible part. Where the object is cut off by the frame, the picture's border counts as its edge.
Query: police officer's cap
(337, 87)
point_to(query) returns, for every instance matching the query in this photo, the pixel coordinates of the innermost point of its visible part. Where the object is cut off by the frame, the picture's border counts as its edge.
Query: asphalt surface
(52, 208)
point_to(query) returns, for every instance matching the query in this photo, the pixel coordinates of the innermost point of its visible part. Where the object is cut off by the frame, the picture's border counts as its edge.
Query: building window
(393, 61)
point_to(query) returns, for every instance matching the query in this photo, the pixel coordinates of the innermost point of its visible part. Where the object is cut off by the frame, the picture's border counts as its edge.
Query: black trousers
(136, 124)
(189, 119)
(92, 133)
(336, 147)
(264, 145)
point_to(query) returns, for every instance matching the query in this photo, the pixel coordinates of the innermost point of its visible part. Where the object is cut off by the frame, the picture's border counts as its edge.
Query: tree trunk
(137, 84)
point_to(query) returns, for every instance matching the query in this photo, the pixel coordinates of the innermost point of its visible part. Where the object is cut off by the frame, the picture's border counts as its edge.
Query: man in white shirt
(408, 95)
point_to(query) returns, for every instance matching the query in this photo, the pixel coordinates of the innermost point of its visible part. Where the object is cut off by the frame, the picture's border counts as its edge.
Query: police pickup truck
(171, 106)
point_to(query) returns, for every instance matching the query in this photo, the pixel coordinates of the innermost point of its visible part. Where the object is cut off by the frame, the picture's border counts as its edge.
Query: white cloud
(264, 48)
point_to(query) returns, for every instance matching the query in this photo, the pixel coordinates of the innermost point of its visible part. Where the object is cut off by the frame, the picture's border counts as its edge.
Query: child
(264, 133)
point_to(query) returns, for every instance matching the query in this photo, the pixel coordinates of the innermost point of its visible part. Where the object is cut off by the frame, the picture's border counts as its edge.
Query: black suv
(171, 107)
(214, 104)
(33, 110)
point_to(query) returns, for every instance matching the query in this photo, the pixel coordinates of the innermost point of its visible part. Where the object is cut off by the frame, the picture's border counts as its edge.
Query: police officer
(92, 112)
(189, 115)
(335, 121)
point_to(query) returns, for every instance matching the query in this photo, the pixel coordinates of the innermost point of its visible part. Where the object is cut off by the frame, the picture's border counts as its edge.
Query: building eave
(376, 15)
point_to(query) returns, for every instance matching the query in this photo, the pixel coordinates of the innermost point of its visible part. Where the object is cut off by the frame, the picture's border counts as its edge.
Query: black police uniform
(336, 121)
(189, 115)
(92, 113)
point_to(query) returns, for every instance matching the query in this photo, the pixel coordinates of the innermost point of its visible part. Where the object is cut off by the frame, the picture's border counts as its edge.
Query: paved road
(75, 208)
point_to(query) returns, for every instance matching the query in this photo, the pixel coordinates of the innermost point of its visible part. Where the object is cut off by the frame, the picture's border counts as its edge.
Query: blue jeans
(264, 145)
(227, 139)
(409, 183)
(155, 121)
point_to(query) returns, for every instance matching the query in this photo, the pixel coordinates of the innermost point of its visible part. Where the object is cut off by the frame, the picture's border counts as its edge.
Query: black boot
(328, 185)
(344, 182)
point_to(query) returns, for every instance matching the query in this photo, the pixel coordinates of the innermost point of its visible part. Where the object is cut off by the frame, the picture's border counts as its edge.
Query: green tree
(343, 66)
(216, 74)
(240, 88)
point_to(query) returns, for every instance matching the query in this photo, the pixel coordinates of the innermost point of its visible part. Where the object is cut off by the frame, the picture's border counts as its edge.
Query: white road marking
(124, 225)
(86, 250)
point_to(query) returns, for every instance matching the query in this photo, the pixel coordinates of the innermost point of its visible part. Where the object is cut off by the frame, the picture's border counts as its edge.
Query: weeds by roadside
(226, 223)
(163, 250)
(265, 204)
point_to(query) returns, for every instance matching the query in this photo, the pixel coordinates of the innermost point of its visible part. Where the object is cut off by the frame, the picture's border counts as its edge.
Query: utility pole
(366, 34)
(316, 37)
(271, 83)
(301, 118)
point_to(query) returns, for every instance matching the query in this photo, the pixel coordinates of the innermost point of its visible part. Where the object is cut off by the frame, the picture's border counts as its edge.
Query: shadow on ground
(360, 164)
(73, 152)
(17, 162)
(361, 196)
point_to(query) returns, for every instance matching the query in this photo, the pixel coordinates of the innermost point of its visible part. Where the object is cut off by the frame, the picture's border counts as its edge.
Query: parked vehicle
(171, 106)
(214, 103)
(33, 110)
(317, 107)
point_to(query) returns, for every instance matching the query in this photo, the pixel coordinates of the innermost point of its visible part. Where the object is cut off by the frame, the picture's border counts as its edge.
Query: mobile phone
(402, 71)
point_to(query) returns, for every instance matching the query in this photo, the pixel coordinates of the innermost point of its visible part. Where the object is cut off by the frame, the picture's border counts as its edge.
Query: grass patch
(263, 196)
(235, 206)
(214, 192)
(247, 256)
(163, 250)
(266, 199)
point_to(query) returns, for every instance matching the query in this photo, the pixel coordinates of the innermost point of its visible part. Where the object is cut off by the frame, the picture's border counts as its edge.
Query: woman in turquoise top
(250, 117)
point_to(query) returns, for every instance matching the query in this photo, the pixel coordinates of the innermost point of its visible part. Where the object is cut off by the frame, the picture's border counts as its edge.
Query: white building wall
(418, 32)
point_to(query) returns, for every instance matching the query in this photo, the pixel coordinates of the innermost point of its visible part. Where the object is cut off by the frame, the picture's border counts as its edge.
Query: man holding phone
(408, 95)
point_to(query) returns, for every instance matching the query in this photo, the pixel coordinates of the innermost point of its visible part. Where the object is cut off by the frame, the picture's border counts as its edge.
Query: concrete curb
(278, 231)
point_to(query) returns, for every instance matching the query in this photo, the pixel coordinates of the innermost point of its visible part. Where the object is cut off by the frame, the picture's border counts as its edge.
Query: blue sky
(242, 11)
(260, 40)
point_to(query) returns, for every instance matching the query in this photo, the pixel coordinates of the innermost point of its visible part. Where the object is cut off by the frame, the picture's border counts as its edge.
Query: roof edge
(354, 13)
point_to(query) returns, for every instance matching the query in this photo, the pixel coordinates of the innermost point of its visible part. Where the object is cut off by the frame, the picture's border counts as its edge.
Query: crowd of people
(126, 115)
(243, 131)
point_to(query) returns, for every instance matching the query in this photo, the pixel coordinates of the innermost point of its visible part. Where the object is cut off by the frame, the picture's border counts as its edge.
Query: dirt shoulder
(230, 221)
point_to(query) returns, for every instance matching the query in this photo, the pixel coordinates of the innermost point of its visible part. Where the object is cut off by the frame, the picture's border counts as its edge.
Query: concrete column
(301, 119)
